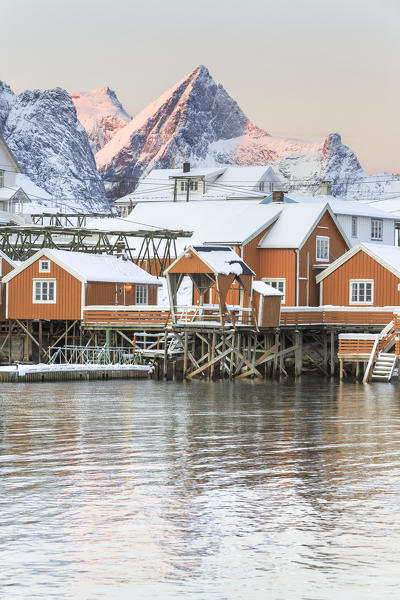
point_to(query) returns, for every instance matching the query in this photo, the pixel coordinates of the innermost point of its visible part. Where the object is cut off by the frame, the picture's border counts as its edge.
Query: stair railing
(372, 356)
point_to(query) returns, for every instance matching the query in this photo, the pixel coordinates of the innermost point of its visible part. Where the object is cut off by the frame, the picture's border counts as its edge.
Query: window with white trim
(376, 229)
(322, 248)
(278, 284)
(44, 266)
(354, 226)
(361, 291)
(44, 291)
(194, 186)
(1, 178)
(142, 294)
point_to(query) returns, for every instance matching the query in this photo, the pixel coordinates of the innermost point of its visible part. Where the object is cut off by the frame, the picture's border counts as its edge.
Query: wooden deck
(154, 317)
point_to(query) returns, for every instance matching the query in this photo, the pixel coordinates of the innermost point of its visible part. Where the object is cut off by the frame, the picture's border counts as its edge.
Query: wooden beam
(208, 364)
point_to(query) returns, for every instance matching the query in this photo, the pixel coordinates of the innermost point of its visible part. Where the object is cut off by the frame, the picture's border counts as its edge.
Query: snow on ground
(24, 369)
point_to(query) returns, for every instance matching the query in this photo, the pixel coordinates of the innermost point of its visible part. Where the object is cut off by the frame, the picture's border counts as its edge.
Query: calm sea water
(153, 491)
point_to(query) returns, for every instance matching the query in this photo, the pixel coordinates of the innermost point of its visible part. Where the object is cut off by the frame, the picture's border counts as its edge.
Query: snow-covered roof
(387, 256)
(222, 260)
(390, 205)
(342, 206)
(6, 193)
(225, 222)
(294, 225)
(264, 289)
(92, 267)
(206, 172)
(223, 182)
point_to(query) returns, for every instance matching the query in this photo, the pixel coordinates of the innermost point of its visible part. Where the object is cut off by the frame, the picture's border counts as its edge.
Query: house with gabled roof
(223, 182)
(303, 241)
(360, 221)
(368, 275)
(12, 196)
(58, 285)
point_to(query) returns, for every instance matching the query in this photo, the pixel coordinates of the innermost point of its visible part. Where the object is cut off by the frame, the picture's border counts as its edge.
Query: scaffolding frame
(157, 248)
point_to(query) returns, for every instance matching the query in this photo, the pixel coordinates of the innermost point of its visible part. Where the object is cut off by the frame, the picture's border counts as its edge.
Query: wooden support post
(282, 356)
(357, 369)
(40, 339)
(277, 340)
(185, 354)
(10, 328)
(341, 369)
(298, 354)
(325, 351)
(212, 355)
(332, 353)
(165, 365)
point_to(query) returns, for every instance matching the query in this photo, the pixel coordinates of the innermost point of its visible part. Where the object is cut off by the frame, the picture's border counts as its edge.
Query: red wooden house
(366, 276)
(57, 285)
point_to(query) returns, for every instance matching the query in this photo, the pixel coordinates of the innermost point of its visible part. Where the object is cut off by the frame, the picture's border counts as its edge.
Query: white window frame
(273, 282)
(377, 229)
(43, 280)
(322, 238)
(142, 291)
(361, 302)
(354, 227)
(41, 268)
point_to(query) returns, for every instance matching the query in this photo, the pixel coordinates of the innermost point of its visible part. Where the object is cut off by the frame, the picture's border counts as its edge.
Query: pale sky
(298, 68)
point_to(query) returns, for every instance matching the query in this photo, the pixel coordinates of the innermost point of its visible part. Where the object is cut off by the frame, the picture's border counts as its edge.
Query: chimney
(325, 188)
(277, 196)
(186, 167)
(120, 249)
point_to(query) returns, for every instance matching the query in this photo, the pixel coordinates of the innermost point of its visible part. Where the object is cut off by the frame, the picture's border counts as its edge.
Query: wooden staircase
(384, 367)
(381, 363)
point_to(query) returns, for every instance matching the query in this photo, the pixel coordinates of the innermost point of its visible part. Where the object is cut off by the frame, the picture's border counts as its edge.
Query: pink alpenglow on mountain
(101, 114)
(197, 121)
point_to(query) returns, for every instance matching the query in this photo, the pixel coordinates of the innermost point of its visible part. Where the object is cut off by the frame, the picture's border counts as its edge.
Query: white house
(12, 196)
(206, 183)
(360, 222)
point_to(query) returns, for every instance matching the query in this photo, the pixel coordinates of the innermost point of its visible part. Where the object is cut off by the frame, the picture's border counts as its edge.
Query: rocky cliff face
(198, 121)
(51, 146)
(180, 125)
(101, 114)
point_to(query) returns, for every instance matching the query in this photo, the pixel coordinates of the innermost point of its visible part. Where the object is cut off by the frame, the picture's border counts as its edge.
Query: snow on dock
(67, 372)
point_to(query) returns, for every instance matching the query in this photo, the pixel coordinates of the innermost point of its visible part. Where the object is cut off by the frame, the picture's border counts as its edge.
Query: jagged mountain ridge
(197, 120)
(101, 114)
(52, 147)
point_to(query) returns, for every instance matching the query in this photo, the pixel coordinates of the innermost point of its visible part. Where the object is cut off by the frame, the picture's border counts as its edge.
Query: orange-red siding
(68, 295)
(336, 286)
(308, 287)
(276, 263)
(6, 267)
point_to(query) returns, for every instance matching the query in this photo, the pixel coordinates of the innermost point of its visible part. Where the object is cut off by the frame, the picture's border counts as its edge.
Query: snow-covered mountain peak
(177, 126)
(101, 114)
(51, 146)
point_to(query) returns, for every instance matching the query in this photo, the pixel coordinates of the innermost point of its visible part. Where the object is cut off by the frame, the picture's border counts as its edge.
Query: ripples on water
(152, 491)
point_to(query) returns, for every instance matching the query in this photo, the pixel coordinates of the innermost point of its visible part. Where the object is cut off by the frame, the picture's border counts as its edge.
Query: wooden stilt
(40, 339)
(325, 351)
(341, 369)
(212, 355)
(10, 328)
(185, 354)
(165, 363)
(298, 354)
(332, 353)
(282, 355)
(277, 340)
